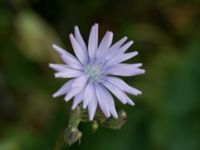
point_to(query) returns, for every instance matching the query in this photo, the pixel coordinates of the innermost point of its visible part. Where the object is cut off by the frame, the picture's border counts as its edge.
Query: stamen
(93, 71)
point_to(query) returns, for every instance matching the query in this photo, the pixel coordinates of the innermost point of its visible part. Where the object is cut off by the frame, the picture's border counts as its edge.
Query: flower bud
(72, 135)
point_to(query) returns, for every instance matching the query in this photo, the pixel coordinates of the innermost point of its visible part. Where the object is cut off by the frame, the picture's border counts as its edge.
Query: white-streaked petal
(73, 63)
(125, 69)
(118, 93)
(67, 57)
(105, 44)
(122, 85)
(119, 43)
(114, 48)
(77, 99)
(76, 88)
(88, 94)
(80, 40)
(79, 81)
(60, 50)
(93, 41)
(110, 101)
(126, 46)
(73, 92)
(68, 73)
(121, 58)
(64, 89)
(58, 67)
(79, 52)
(101, 100)
(92, 106)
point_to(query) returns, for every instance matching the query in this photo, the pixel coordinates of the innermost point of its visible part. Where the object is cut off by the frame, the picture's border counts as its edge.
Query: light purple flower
(93, 72)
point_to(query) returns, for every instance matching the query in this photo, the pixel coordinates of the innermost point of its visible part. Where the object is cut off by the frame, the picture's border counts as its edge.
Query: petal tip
(139, 93)
(73, 107)
(131, 42)
(131, 103)
(54, 46)
(71, 36)
(55, 95)
(125, 38)
(57, 75)
(51, 65)
(66, 99)
(143, 71)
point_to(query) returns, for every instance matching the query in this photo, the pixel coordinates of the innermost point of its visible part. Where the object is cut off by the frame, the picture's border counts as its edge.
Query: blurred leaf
(35, 37)
(175, 125)
(18, 139)
(9, 145)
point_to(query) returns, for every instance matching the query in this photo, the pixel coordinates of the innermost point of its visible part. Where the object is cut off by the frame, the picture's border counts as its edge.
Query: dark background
(167, 36)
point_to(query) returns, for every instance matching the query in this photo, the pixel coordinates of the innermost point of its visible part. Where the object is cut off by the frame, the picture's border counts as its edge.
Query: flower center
(93, 72)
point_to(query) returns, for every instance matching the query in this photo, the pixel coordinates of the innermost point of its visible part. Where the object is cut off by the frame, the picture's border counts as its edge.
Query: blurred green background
(167, 36)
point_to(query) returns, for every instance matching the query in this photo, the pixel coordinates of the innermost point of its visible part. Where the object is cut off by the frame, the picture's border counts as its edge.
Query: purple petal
(121, 58)
(101, 100)
(60, 50)
(93, 41)
(64, 89)
(112, 51)
(73, 92)
(122, 85)
(125, 69)
(80, 53)
(118, 93)
(68, 73)
(77, 99)
(76, 88)
(73, 63)
(79, 81)
(126, 46)
(58, 67)
(119, 43)
(88, 94)
(105, 44)
(80, 40)
(92, 106)
(110, 101)
(67, 57)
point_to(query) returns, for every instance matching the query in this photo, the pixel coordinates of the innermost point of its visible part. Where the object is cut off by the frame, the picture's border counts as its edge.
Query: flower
(93, 72)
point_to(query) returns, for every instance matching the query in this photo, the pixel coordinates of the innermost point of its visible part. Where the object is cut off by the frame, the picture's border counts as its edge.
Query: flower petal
(122, 85)
(58, 67)
(79, 81)
(109, 99)
(114, 48)
(75, 89)
(101, 99)
(105, 44)
(121, 58)
(73, 92)
(67, 57)
(93, 41)
(64, 89)
(80, 53)
(80, 40)
(126, 69)
(118, 93)
(119, 43)
(92, 106)
(73, 63)
(77, 99)
(68, 73)
(126, 46)
(60, 50)
(88, 94)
